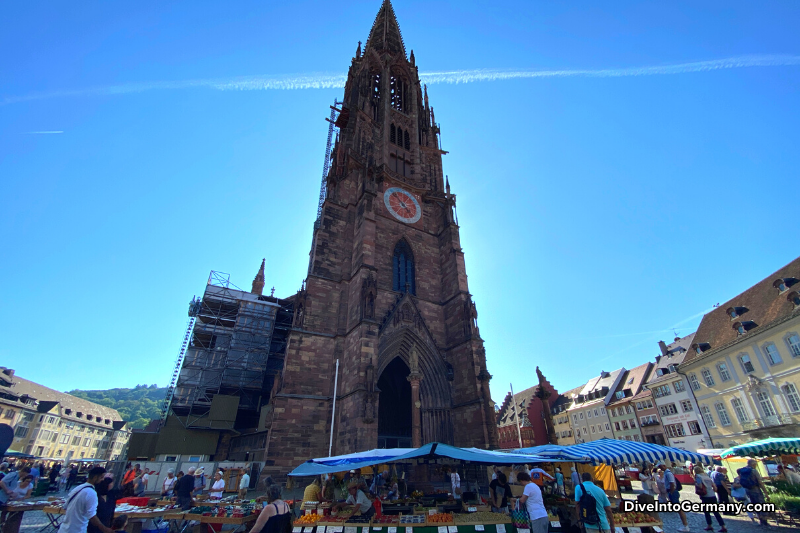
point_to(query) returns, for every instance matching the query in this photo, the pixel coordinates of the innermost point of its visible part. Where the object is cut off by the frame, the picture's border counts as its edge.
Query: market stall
(12, 513)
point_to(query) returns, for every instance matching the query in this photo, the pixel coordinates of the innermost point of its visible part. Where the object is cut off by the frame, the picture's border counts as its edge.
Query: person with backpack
(534, 503)
(751, 481)
(593, 507)
(705, 487)
(674, 487)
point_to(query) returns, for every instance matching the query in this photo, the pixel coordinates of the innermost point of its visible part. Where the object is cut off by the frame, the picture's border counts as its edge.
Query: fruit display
(386, 519)
(417, 494)
(629, 519)
(481, 517)
(308, 519)
(412, 519)
(344, 513)
(335, 519)
(440, 518)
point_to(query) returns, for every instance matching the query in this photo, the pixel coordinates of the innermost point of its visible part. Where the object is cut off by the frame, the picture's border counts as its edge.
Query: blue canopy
(331, 465)
(613, 451)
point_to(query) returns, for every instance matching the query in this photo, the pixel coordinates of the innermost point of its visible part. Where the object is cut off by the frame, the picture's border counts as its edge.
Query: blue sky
(597, 213)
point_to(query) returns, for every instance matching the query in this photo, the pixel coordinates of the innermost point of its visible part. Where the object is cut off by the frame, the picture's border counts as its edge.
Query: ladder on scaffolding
(194, 308)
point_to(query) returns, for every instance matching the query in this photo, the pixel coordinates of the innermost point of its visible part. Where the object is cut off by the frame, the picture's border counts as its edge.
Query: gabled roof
(506, 415)
(676, 354)
(385, 32)
(631, 383)
(761, 304)
(566, 398)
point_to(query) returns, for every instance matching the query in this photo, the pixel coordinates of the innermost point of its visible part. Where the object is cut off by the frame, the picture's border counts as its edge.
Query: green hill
(138, 405)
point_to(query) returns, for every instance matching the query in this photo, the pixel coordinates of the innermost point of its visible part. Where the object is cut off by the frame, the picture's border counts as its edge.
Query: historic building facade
(744, 362)
(680, 422)
(588, 414)
(622, 407)
(561, 420)
(386, 293)
(535, 424)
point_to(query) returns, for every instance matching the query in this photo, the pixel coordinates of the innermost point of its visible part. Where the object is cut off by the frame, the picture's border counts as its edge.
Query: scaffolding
(233, 350)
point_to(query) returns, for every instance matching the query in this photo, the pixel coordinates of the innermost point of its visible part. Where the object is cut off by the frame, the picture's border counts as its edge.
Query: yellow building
(561, 420)
(744, 365)
(54, 425)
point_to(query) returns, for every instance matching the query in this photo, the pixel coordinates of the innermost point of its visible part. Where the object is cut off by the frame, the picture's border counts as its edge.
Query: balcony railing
(767, 421)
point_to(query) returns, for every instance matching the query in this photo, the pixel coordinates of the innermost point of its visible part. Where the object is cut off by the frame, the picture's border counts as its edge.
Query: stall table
(13, 513)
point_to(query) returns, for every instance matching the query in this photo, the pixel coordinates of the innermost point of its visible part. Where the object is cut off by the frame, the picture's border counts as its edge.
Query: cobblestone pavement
(36, 521)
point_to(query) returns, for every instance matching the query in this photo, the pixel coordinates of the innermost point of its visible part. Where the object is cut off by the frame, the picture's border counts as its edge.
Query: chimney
(663, 346)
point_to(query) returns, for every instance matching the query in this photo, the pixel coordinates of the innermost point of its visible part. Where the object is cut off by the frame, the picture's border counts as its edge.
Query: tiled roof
(632, 382)
(23, 387)
(765, 306)
(676, 354)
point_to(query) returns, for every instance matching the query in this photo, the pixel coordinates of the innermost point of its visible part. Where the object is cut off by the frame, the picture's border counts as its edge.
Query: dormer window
(701, 347)
(79, 414)
(736, 312)
(743, 327)
(88, 417)
(620, 395)
(794, 297)
(783, 284)
(67, 411)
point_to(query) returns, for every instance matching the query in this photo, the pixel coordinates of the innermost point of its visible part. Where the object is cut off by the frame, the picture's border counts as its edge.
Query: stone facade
(532, 422)
(386, 293)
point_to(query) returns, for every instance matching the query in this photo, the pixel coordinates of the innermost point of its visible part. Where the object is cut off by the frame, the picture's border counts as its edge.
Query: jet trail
(337, 81)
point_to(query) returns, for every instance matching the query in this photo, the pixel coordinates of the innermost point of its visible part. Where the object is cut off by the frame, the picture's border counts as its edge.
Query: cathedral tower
(386, 293)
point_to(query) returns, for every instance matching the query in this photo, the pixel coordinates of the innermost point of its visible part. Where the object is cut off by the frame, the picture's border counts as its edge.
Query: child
(119, 523)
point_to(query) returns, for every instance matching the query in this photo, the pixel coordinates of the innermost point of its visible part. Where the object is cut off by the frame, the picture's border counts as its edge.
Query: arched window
(392, 134)
(399, 137)
(403, 268)
(406, 141)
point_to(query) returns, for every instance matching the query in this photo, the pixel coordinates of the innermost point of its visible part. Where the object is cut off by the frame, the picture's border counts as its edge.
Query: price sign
(501, 528)
(365, 529)
(392, 530)
(471, 509)
(376, 528)
(523, 531)
(442, 529)
(350, 529)
(409, 529)
(618, 530)
(657, 529)
(431, 512)
(320, 529)
(338, 529)
(308, 529)
(452, 529)
(479, 527)
(297, 530)
(634, 530)
(555, 523)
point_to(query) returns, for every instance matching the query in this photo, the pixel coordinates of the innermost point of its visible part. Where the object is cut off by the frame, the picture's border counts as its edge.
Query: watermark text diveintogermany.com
(687, 506)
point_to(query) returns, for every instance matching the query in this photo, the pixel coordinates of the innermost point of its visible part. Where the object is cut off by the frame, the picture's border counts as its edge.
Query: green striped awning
(760, 448)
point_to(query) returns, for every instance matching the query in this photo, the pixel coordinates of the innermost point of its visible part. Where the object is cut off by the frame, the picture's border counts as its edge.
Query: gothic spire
(385, 32)
(258, 281)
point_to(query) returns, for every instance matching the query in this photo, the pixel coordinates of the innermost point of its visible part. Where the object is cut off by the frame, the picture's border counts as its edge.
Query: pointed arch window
(406, 142)
(392, 134)
(403, 268)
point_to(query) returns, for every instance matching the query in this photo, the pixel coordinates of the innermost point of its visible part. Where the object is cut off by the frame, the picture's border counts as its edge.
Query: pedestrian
(184, 488)
(276, 516)
(499, 491)
(10, 482)
(218, 487)
(592, 506)
(646, 477)
(199, 481)
(575, 477)
(750, 479)
(36, 473)
(138, 485)
(145, 479)
(705, 487)
(80, 508)
(107, 497)
(560, 482)
(53, 474)
(740, 495)
(244, 484)
(63, 478)
(455, 484)
(534, 503)
(720, 479)
(494, 473)
(673, 494)
(72, 477)
(169, 484)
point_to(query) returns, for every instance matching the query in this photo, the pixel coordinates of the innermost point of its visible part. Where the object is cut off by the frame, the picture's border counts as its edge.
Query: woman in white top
(169, 483)
(455, 482)
(218, 487)
(532, 499)
(646, 477)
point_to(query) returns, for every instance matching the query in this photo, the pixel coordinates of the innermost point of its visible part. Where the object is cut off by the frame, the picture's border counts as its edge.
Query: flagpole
(516, 415)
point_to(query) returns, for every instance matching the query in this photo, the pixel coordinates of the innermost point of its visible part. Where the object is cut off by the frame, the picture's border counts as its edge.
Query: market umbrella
(613, 452)
(18, 455)
(764, 447)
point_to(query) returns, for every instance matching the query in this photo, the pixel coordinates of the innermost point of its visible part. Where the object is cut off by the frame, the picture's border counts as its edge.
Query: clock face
(402, 205)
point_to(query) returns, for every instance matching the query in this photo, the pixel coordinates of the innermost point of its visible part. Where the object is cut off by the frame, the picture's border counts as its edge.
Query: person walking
(674, 495)
(534, 503)
(168, 489)
(705, 487)
(560, 483)
(575, 478)
(184, 488)
(244, 484)
(750, 479)
(593, 507)
(720, 479)
(276, 516)
(455, 484)
(646, 477)
(80, 508)
(218, 487)
(740, 495)
(72, 477)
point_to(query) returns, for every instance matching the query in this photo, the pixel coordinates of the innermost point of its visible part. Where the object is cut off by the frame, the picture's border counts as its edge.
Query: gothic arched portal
(394, 408)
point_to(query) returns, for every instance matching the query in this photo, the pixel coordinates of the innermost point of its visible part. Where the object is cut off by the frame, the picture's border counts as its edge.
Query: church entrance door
(394, 407)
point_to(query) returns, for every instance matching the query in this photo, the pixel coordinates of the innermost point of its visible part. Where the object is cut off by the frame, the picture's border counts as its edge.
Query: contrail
(337, 81)
(42, 132)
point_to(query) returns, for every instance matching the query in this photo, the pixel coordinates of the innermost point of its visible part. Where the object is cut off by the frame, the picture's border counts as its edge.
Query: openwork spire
(385, 32)
(258, 281)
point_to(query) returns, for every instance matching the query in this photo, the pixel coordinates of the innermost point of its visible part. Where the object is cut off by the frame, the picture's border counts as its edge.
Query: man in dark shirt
(183, 490)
